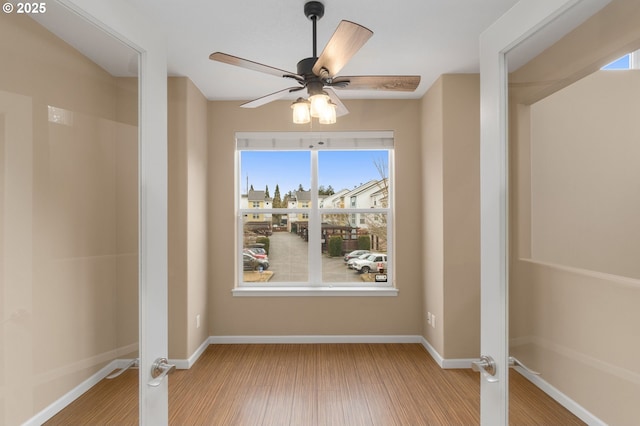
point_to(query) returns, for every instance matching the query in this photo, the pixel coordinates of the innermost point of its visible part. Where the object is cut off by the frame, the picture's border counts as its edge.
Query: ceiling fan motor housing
(312, 82)
(305, 67)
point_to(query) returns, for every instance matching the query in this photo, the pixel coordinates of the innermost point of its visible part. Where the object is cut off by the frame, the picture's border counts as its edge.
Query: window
(629, 61)
(331, 196)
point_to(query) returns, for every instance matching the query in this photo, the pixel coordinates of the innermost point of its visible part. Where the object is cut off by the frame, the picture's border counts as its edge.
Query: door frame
(526, 29)
(131, 27)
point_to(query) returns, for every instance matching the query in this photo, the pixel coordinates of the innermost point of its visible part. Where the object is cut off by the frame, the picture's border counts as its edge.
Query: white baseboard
(74, 394)
(445, 363)
(185, 364)
(434, 354)
(568, 403)
(313, 339)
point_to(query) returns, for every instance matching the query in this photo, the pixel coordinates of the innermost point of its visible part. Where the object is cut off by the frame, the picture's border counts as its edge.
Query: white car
(351, 261)
(373, 262)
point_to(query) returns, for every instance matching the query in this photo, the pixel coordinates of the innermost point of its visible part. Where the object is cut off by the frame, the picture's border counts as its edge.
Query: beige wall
(232, 316)
(433, 212)
(68, 218)
(461, 216)
(577, 326)
(585, 196)
(187, 217)
(451, 209)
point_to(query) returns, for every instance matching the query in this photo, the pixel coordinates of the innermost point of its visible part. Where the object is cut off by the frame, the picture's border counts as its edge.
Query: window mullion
(315, 248)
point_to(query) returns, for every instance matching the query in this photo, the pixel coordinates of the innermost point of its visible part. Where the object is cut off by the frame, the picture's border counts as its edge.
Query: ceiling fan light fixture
(301, 111)
(319, 72)
(328, 115)
(319, 103)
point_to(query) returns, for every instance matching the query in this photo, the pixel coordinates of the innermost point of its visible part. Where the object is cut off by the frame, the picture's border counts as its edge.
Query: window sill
(314, 291)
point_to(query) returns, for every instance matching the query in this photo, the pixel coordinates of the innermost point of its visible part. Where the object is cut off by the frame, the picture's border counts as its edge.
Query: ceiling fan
(317, 74)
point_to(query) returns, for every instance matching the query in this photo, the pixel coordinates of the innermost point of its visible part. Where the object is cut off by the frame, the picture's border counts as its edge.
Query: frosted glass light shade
(301, 111)
(328, 115)
(318, 103)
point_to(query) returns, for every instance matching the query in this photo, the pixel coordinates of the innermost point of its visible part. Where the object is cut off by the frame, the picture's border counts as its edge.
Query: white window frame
(309, 141)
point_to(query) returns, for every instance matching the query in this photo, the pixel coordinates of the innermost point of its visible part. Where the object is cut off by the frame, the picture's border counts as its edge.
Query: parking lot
(288, 261)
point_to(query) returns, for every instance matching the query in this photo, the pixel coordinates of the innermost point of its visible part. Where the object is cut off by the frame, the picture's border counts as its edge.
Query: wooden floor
(323, 384)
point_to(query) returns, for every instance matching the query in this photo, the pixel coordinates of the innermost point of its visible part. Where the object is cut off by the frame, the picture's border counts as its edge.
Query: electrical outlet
(433, 321)
(198, 321)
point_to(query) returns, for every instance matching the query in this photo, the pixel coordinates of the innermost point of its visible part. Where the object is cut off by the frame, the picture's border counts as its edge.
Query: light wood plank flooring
(323, 384)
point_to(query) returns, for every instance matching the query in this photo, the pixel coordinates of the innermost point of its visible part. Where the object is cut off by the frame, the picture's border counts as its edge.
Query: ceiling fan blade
(400, 83)
(348, 38)
(269, 98)
(340, 108)
(245, 63)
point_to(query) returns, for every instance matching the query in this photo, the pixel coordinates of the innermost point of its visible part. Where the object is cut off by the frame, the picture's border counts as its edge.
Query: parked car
(354, 254)
(350, 262)
(257, 253)
(373, 262)
(251, 263)
(258, 250)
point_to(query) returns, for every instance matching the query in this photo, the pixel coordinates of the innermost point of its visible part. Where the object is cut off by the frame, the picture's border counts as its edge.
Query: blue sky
(288, 169)
(618, 64)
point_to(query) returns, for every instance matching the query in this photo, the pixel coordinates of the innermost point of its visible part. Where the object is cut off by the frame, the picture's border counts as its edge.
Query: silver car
(354, 254)
(351, 261)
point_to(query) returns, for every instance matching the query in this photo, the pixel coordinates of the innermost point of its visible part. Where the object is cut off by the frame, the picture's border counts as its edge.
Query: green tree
(364, 242)
(330, 190)
(335, 246)
(325, 191)
(277, 201)
(266, 191)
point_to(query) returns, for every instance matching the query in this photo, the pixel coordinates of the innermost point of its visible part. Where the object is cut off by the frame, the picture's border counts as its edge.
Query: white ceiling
(424, 37)
(413, 37)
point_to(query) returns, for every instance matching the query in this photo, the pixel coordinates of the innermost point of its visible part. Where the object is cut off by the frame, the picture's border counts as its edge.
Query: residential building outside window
(318, 212)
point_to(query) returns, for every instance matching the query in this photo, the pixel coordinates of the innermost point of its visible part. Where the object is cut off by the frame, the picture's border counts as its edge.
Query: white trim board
(568, 403)
(185, 364)
(562, 399)
(66, 399)
(446, 364)
(300, 339)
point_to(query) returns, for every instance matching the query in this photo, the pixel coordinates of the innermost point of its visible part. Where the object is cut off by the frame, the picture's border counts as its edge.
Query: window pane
(340, 173)
(274, 256)
(354, 253)
(271, 177)
(623, 63)
(275, 180)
